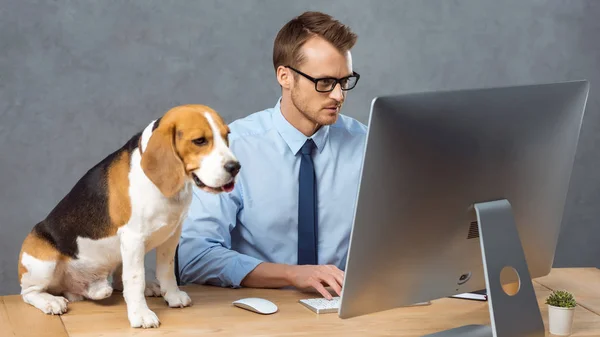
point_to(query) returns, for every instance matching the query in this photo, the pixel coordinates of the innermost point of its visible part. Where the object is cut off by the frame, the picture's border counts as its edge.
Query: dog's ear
(161, 163)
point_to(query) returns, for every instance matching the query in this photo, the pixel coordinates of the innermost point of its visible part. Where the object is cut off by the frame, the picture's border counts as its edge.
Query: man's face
(321, 59)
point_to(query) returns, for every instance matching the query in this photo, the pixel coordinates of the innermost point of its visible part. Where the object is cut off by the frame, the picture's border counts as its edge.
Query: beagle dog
(131, 202)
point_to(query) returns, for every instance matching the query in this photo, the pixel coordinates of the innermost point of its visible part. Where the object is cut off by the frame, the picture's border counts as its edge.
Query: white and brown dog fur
(131, 202)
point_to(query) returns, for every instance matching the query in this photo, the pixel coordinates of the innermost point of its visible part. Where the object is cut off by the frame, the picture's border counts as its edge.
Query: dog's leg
(37, 277)
(134, 282)
(152, 287)
(165, 273)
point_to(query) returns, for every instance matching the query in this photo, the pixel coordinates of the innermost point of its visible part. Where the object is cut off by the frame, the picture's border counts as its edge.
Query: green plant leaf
(561, 298)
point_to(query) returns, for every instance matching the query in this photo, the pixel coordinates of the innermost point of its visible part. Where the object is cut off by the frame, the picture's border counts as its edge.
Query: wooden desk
(26, 322)
(213, 315)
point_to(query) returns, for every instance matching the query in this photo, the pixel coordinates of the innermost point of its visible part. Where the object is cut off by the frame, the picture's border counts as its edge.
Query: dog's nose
(233, 167)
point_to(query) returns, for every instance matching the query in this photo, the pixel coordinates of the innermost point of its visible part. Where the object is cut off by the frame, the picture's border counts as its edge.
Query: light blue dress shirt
(225, 236)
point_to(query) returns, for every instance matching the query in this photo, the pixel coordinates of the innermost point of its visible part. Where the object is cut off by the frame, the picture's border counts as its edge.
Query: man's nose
(337, 93)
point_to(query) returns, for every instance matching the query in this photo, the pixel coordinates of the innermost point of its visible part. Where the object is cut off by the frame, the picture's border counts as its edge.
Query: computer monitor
(447, 175)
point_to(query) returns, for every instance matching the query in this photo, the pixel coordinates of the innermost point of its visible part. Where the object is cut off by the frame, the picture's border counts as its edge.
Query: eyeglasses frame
(336, 80)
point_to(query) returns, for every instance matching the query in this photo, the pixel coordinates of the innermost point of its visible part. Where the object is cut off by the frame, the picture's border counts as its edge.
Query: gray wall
(78, 78)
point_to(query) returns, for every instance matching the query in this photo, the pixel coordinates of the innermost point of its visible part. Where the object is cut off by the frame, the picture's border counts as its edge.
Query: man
(288, 220)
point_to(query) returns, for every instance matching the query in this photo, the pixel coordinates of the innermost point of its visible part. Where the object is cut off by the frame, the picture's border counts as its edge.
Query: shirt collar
(294, 138)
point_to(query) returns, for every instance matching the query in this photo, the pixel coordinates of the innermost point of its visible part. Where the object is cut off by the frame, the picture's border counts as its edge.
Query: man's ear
(160, 161)
(283, 77)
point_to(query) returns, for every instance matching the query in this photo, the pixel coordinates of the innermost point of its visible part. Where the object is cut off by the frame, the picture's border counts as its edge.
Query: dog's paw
(177, 299)
(152, 289)
(99, 291)
(143, 318)
(51, 305)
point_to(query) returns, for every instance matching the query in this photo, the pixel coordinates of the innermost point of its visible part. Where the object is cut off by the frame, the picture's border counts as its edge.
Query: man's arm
(205, 254)
(268, 275)
(275, 275)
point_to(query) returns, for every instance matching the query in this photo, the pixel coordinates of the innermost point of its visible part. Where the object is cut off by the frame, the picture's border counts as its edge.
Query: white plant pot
(560, 320)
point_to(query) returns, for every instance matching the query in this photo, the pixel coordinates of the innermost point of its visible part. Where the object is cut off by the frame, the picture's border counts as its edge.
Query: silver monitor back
(429, 157)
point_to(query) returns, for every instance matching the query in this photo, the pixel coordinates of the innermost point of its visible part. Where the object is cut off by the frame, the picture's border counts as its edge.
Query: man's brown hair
(293, 35)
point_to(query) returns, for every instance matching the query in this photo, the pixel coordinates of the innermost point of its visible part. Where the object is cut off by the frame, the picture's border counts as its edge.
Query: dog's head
(190, 142)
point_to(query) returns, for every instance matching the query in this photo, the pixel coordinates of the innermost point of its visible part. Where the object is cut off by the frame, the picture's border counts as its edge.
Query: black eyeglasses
(326, 84)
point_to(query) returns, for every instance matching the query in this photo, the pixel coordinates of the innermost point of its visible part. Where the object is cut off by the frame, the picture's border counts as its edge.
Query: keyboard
(324, 306)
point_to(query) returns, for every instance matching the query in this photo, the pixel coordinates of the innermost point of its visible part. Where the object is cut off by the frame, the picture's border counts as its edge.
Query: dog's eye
(200, 141)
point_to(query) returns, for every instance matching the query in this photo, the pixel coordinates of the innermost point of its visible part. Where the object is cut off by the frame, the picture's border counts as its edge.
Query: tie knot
(308, 147)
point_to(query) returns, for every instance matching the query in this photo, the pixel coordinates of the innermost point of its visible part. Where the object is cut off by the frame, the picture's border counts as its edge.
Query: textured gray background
(78, 78)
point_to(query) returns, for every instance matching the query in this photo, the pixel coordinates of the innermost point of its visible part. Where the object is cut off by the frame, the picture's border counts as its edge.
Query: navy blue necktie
(307, 207)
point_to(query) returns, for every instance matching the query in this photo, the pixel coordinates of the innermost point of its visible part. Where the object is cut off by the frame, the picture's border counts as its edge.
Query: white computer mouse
(255, 304)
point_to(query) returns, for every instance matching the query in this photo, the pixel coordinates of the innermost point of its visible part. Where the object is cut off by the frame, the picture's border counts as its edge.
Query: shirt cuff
(240, 267)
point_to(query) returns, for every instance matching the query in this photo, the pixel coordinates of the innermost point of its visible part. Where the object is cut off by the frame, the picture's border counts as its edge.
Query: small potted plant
(561, 307)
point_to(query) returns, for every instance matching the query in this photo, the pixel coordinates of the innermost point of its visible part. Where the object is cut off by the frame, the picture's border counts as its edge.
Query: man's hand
(275, 275)
(317, 277)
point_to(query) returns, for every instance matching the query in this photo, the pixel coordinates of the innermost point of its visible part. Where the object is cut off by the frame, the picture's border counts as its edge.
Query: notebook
(479, 295)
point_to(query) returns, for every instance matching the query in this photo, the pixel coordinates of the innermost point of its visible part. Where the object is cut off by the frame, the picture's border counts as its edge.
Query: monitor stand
(510, 315)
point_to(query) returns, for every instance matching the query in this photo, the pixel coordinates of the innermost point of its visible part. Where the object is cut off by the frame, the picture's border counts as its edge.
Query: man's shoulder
(350, 125)
(257, 123)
